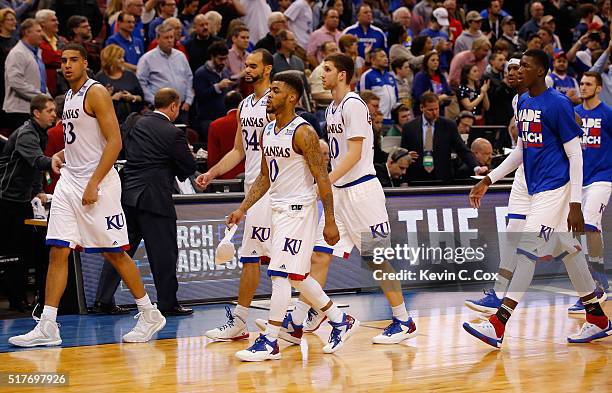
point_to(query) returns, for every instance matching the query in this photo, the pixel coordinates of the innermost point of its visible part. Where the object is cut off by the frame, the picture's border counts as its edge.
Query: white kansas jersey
(290, 179)
(82, 136)
(253, 119)
(348, 120)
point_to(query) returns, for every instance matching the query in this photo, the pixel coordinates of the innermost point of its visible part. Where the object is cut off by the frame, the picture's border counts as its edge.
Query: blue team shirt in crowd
(596, 143)
(373, 35)
(545, 123)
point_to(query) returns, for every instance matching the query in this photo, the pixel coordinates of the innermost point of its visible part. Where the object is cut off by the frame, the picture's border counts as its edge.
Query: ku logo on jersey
(531, 127)
(591, 136)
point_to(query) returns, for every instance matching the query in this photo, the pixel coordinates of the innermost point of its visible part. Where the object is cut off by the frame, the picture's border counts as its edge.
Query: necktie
(428, 163)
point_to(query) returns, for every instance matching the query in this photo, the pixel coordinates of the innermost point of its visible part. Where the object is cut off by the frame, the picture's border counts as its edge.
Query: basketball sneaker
(289, 331)
(340, 333)
(262, 349)
(487, 305)
(314, 320)
(45, 333)
(396, 332)
(149, 322)
(484, 331)
(590, 332)
(578, 308)
(234, 329)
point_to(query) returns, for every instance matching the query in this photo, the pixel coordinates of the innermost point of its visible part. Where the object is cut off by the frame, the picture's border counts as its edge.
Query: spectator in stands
(18, 7)
(548, 41)
(402, 16)
(89, 9)
(534, 41)
(112, 11)
(50, 46)
(122, 84)
(381, 82)
(421, 45)
(548, 23)
(483, 152)
(491, 24)
(401, 115)
(345, 10)
(369, 36)
(299, 20)
(211, 83)
(198, 43)
(228, 9)
(536, 10)
(397, 40)
(214, 22)
(559, 79)
(134, 8)
(602, 67)
(238, 52)
(165, 66)
(465, 121)
(477, 55)
(430, 79)
(321, 96)
(285, 58)
(583, 59)
(586, 13)
(348, 46)
(283, 5)
(177, 27)
(276, 23)
(421, 14)
(221, 136)
(455, 20)
(393, 172)
(510, 35)
(433, 138)
(24, 74)
(372, 101)
(165, 9)
(132, 46)
(21, 161)
(190, 10)
(55, 141)
(8, 26)
(440, 39)
(328, 32)
(500, 109)
(256, 18)
(467, 37)
(472, 94)
(495, 69)
(401, 71)
(79, 32)
(377, 128)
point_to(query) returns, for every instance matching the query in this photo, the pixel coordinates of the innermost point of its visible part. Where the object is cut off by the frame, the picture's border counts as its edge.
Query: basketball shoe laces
(37, 319)
(230, 319)
(394, 327)
(311, 314)
(334, 337)
(260, 344)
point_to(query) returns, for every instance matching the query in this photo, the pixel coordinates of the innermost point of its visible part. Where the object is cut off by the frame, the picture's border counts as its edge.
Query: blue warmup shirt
(564, 85)
(596, 143)
(545, 123)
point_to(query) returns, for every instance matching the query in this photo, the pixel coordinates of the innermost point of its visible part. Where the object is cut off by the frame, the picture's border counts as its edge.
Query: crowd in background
(402, 49)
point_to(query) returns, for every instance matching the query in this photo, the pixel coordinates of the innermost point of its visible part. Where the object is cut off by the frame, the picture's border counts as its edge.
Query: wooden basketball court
(443, 357)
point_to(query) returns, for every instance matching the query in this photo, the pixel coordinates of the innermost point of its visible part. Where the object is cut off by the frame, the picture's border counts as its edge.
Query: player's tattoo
(311, 150)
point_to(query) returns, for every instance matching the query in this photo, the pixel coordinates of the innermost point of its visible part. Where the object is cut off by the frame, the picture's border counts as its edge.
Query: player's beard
(254, 79)
(589, 97)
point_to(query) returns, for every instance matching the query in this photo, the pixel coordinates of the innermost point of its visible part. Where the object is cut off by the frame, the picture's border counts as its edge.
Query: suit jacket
(156, 152)
(446, 139)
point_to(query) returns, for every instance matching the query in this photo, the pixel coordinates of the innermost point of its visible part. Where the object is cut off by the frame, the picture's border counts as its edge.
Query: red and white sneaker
(262, 349)
(484, 331)
(289, 331)
(590, 332)
(234, 329)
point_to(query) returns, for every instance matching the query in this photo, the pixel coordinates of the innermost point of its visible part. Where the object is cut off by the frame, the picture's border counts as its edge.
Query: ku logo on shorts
(115, 222)
(292, 246)
(260, 233)
(380, 230)
(545, 232)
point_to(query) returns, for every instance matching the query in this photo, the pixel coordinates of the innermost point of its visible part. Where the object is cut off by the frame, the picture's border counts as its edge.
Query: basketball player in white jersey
(291, 162)
(359, 200)
(86, 212)
(518, 209)
(252, 118)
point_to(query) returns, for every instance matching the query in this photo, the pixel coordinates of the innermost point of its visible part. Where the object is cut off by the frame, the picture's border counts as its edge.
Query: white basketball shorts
(595, 198)
(256, 236)
(100, 227)
(519, 202)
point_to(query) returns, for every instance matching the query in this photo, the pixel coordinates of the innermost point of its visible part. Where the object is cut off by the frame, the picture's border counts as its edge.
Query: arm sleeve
(513, 161)
(573, 150)
(27, 146)
(356, 121)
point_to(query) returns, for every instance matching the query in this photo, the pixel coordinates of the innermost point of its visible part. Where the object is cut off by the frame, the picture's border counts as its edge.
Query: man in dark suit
(434, 138)
(393, 172)
(156, 151)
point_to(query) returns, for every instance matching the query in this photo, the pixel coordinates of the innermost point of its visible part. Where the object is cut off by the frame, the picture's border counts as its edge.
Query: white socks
(144, 303)
(241, 312)
(501, 285)
(272, 331)
(301, 311)
(400, 312)
(49, 313)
